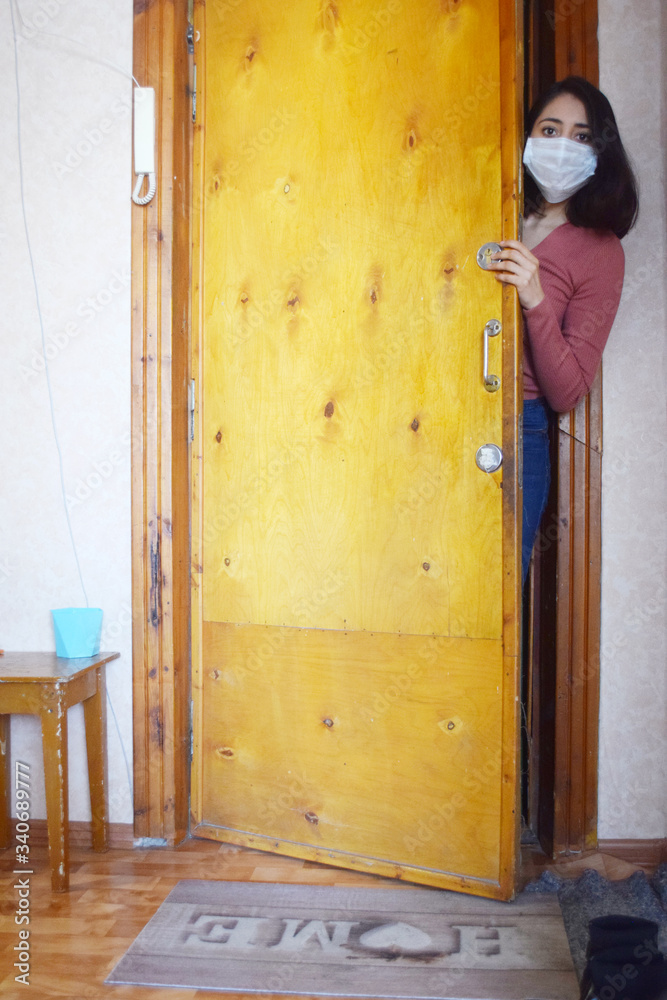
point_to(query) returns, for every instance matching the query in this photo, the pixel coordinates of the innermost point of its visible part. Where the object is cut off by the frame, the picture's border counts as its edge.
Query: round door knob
(485, 253)
(489, 458)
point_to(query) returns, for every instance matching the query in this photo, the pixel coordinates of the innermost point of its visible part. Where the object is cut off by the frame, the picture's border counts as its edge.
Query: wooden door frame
(161, 263)
(160, 461)
(564, 656)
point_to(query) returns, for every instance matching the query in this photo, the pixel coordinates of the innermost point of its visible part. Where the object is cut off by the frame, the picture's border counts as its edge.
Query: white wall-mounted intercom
(144, 143)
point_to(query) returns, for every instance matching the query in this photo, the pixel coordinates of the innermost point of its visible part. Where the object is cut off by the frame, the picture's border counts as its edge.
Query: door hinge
(192, 69)
(192, 732)
(192, 409)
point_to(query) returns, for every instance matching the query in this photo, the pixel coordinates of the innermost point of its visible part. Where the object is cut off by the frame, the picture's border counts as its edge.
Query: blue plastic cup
(78, 631)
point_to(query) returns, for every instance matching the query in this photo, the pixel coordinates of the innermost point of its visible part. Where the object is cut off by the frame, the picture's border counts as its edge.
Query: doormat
(334, 941)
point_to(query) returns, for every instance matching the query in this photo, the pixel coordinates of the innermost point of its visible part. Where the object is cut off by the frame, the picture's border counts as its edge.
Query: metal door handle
(485, 253)
(489, 458)
(492, 329)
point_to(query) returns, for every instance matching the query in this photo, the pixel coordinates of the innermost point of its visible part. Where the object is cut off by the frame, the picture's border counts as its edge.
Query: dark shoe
(624, 961)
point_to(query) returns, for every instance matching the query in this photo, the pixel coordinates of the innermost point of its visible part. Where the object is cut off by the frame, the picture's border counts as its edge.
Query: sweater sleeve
(566, 357)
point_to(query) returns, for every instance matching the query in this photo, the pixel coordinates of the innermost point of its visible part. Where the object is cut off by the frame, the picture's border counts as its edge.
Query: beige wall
(633, 776)
(76, 155)
(75, 131)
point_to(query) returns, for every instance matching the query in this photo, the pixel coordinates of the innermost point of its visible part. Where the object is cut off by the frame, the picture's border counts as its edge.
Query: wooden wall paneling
(160, 528)
(579, 560)
(539, 18)
(565, 643)
(575, 25)
(578, 626)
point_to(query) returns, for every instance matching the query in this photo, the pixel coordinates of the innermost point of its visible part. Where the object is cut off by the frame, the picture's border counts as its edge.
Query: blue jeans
(536, 472)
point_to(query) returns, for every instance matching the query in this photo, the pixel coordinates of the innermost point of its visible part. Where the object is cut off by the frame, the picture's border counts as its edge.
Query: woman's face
(565, 116)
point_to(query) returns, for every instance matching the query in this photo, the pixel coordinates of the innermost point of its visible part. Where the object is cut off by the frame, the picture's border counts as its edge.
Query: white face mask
(559, 166)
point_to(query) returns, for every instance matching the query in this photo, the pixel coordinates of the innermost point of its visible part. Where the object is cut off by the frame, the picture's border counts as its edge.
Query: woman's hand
(516, 265)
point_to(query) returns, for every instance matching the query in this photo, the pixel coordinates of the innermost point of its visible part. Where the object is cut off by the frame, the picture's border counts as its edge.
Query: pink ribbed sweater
(581, 272)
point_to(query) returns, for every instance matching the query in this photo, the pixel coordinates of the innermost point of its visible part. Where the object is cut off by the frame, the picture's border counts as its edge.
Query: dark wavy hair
(609, 200)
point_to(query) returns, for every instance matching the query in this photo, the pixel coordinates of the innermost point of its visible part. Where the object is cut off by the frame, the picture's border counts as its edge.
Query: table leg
(54, 744)
(95, 715)
(5, 783)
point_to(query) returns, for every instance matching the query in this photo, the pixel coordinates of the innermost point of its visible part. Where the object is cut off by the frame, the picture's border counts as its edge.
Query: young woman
(580, 199)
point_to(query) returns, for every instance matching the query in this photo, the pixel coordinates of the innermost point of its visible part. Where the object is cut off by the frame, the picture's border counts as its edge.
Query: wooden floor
(77, 937)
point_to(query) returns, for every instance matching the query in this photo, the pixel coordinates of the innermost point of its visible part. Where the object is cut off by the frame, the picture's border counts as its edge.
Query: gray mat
(333, 941)
(592, 895)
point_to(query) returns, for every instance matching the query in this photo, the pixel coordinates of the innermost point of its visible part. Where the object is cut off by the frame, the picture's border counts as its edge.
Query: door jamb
(160, 431)
(565, 662)
(161, 261)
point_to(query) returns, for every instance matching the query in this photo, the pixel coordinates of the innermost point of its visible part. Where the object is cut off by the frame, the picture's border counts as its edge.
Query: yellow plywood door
(354, 570)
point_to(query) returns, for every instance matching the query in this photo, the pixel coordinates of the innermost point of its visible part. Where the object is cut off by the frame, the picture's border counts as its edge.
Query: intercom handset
(144, 143)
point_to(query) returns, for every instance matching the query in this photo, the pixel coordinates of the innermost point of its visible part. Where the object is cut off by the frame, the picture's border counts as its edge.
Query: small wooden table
(47, 685)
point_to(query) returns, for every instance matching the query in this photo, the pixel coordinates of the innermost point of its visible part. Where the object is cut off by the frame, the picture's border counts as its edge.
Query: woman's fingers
(518, 245)
(513, 268)
(508, 278)
(512, 255)
(519, 254)
(511, 261)
(516, 265)
(514, 250)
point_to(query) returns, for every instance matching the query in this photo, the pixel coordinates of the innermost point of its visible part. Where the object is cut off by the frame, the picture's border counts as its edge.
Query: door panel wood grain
(354, 571)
